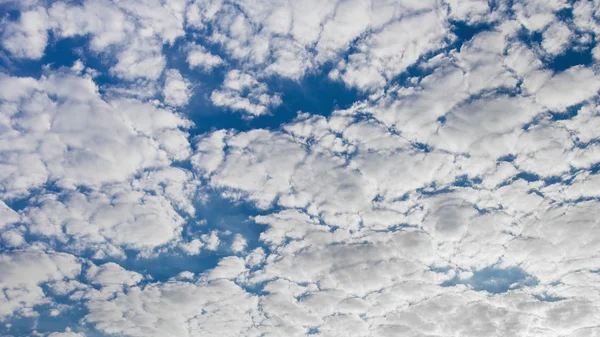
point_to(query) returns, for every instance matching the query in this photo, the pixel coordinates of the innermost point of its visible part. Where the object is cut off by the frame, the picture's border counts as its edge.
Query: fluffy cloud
(112, 273)
(23, 273)
(177, 90)
(118, 216)
(556, 38)
(69, 135)
(135, 29)
(27, 37)
(199, 57)
(178, 309)
(394, 48)
(242, 92)
(8, 215)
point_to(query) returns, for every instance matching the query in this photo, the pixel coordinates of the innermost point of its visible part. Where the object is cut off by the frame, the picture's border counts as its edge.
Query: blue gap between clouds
(60, 53)
(314, 93)
(220, 214)
(495, 280)
(45, 323)
(574, 56)
(463, 32)
(71, 312)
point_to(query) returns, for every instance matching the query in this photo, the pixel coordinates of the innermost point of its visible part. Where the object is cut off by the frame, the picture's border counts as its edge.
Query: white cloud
(264, 178)
(199, 57)
(66, 133)
(69, 136)
(118, 215)
(242, 92)
(177, 91)
(23, 271)
(112, 274)
(179, 309)
(13, 238)
(211, 241)
(567, 88)
(255, 257)
(193, 247)
(537, 14)
(66, 334)
(134, 31)
(471, 11)
(390, 51)
(199, 12)
(239, 244)
(27, 37)
(556, 38)
(140, 59)
(7, 215)
(107, 24)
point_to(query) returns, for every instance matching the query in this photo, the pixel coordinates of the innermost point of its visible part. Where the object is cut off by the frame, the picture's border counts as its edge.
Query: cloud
(27, 37)
(135, 31)
(536, 15)
(107, 24)
(390, 51)
(582, 84)
(177, 91)
(140, 59)
(23, 273)
(239, 244)
(288, 40)
(556, 38)
(121, 216)
(178, 308)
(199, 57)
(8, 215)
(242, 92)
(66, 334)
(111, 273)
(68, 134)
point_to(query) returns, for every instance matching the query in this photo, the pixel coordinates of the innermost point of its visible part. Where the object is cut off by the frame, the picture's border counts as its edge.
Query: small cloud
(199, 57)
(177, 90)
(211, 241)
(242, 92)
(239, 244)
(556, 38)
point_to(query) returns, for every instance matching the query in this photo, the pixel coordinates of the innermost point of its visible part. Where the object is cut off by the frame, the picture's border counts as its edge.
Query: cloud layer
(169, 169)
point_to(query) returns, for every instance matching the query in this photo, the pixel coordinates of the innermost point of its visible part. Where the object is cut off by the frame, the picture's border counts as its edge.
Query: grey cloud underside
(457, 197)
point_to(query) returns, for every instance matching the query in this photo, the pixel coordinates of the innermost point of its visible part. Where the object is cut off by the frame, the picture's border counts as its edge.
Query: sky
(183, 168)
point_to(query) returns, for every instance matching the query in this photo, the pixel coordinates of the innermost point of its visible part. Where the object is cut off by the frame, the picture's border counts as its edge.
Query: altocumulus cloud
(167, 168)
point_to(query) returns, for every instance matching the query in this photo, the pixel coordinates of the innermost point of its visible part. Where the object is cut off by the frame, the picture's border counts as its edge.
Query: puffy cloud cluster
(457, 197)
(134, 28)
(94, 172)
(58, 129)
(23, 271)
(242, 92)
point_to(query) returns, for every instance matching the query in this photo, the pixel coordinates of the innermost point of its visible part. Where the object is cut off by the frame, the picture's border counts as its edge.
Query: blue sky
(329, 168)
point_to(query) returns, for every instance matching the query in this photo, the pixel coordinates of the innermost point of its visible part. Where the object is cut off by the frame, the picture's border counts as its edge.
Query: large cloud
(178, 309)
(65, 133)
